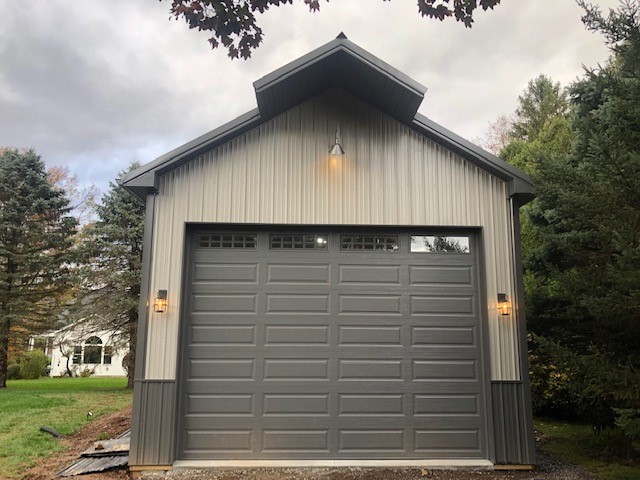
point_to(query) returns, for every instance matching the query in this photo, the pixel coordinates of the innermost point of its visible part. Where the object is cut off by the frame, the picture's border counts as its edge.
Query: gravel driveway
(548, 468)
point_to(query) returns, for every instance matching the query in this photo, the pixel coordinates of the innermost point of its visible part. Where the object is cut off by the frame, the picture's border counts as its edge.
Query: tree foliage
(35, 249)
(233, 23)
(112, 257)
(589, 200)
(541, 101)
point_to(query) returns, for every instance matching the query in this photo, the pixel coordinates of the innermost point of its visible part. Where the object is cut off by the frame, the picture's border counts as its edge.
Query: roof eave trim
(145, 177)
(519, 182)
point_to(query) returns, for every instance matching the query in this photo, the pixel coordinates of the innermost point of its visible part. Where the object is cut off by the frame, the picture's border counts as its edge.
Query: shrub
(33, 364)
(13, 371)
(591, 387)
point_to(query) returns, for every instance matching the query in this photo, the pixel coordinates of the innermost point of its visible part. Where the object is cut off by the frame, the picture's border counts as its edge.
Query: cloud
(94, 85)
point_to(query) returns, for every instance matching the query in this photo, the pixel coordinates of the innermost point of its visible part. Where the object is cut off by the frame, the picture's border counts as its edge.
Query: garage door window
(371, 243)
(439, 244)
(228, 240)
(298, 242)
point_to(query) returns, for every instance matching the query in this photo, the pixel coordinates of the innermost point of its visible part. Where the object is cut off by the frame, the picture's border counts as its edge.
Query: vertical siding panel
(280, 172)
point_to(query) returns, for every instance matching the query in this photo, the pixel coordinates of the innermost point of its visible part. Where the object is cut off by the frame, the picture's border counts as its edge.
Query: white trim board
(444, 464)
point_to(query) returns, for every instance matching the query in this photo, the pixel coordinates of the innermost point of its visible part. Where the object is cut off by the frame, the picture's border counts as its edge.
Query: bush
(590, 387)
(32, 364)
(13, 371)
(550, 369)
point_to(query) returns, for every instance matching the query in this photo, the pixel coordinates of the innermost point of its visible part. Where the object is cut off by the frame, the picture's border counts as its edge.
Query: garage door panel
(437, 275)
(214, 441)
(369, 275)
(282, 404)
(305, 273)
(429, 404)
(369, 305)
(452, 441)
(287, 335)
(297, 304)
(225, 303)
(298, 440)
(328, 353)
(451, 370)
(425, 305)
(225, 273)
(223, 369)
(223, 334)
(443, 336)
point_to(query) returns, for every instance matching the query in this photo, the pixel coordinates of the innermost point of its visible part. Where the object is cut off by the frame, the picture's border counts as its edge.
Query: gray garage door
(321, 344)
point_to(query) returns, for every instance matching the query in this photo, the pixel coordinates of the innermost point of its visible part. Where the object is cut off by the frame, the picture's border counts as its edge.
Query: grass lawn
(60, 403)
(599, 453)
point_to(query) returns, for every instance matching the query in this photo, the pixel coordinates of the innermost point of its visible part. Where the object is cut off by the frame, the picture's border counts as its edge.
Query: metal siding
(513, 433)
(280, 172)
(152, 437)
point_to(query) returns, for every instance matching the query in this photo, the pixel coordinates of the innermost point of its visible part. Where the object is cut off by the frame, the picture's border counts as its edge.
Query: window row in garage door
(347, 350)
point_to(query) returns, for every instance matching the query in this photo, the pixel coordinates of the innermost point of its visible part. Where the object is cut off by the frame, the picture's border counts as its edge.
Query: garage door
(330, 344)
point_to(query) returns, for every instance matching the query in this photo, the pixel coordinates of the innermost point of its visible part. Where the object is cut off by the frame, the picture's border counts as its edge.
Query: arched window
(93, 350)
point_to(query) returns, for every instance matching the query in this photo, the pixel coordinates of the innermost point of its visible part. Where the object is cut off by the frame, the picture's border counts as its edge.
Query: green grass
(600, 453)
(60, 403)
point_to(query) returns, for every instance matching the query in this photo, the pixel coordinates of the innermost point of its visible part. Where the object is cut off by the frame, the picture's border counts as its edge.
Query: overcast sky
(96, 84)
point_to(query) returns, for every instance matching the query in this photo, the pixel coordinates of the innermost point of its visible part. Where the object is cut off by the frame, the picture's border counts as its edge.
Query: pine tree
(35, 249)
(112, 258)
(590, 200)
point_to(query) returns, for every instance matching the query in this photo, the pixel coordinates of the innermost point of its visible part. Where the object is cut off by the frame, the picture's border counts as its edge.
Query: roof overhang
(340, 63)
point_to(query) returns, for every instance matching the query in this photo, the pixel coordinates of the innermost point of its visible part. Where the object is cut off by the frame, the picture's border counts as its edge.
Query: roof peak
(342, 36)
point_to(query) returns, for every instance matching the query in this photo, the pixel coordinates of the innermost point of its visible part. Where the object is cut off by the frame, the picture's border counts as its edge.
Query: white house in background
(81, 346)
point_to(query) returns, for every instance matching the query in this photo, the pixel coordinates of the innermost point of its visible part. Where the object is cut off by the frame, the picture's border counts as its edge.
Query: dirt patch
(114, 424)
(107, 426)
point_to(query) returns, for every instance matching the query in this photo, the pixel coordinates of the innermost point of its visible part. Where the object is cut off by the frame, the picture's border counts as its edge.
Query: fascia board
(337, 45)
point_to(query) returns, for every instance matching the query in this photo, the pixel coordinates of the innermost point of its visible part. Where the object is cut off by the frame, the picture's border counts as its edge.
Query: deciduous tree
(35, 249)
(233, 23)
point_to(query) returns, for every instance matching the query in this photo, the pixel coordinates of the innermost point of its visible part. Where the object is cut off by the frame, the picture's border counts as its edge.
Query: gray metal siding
(280, 173)
(153, 434)
(512, 425)
(333, 354)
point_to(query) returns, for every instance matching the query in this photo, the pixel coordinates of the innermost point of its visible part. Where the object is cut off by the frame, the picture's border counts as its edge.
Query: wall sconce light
(337, 148)
(504, 305)
(160, 303)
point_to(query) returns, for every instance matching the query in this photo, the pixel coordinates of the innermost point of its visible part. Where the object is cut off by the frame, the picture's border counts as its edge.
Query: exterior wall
(67, 339)
(280, 173)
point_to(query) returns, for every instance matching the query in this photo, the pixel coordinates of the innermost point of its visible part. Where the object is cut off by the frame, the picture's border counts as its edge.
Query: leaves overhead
(233, 23)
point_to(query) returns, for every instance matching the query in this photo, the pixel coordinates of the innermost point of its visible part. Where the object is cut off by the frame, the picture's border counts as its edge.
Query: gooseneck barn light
(337, 148)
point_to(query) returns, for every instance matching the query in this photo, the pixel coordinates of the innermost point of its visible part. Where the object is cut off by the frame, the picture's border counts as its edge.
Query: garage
(331, 278)
(333, 343)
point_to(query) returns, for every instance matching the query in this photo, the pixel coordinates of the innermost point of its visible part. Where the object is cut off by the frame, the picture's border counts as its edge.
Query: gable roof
(339, 63)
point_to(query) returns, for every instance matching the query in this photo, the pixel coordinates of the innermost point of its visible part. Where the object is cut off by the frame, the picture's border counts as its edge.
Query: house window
(77, 355)
(439, 244)
(298, 242)
(108, 351)
(93, 350)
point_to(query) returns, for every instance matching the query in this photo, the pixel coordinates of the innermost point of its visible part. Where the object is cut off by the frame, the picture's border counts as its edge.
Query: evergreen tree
(112, 252)
(35, 249)
(590, 200)
(541, 101)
